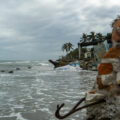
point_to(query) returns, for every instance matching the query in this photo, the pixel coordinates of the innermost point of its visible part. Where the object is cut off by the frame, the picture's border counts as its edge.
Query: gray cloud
(36, 29)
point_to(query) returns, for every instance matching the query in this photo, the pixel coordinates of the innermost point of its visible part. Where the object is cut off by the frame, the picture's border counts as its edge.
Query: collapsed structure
(107, 83)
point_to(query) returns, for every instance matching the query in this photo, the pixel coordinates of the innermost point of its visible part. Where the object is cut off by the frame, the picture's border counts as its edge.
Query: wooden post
(79, 50)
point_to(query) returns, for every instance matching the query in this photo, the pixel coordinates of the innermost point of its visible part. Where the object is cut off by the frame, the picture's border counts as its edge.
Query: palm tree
(65, 47)
(108, 37)
(99, 37)
(92, 37)
(83, 38)
(70, 46)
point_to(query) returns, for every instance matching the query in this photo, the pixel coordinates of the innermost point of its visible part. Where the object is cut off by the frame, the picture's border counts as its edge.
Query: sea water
(33, 93)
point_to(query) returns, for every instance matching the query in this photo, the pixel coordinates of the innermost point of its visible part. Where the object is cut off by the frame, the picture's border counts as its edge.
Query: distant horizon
(24, 60)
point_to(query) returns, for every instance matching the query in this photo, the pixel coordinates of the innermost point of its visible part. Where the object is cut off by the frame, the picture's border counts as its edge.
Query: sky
(37, 29)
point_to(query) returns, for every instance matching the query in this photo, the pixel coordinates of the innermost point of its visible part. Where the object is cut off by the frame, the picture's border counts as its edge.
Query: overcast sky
(36, 29)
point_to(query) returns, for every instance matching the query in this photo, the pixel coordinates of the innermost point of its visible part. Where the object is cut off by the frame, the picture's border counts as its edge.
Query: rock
(108, 82)
(105, 111)
(29, 67)
(17, 68)
(11, 71)
(2, 71)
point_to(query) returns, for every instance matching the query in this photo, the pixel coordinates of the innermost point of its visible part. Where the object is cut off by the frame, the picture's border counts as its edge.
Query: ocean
(34, 88)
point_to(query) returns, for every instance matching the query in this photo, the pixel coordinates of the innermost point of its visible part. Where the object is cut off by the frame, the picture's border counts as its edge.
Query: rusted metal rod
(75, 109)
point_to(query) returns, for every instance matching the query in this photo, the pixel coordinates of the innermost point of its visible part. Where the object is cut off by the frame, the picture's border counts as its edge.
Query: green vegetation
(95, 37)
(67, 47)
(72, 54)
(87, 56)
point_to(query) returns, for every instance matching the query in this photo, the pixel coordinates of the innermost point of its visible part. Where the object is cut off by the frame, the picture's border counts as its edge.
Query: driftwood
(59, 63)
(54, 63)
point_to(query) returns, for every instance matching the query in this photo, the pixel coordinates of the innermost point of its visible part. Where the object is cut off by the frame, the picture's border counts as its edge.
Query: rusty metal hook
(75, 109)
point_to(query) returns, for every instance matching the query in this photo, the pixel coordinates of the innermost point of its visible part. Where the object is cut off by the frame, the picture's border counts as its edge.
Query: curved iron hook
(75, 109)
(57, 113)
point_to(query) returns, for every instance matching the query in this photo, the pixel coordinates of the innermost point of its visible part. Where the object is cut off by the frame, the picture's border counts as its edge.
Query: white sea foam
(3, 94)
(22, 62)
(5, 75)
(43, 64)
(51, 73)
(11, 99)
(69, 68)
(45, 110)
(17, 115)
(19, 106)
(6, 62)
(42, 91)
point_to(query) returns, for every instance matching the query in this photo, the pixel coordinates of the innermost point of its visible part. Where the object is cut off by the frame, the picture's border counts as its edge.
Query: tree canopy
(94, 38)
(67, 47)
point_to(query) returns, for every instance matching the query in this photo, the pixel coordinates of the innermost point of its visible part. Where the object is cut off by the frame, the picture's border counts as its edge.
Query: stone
(17, 68)
(29, 67)
(11, 71)
(105, 111)
(108, 82)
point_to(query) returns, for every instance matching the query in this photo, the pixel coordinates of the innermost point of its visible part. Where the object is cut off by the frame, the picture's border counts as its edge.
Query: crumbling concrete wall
(105, 111)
